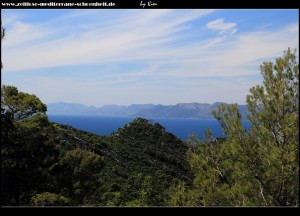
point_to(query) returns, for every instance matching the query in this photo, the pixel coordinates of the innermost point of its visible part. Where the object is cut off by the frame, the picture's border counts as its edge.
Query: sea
(105, 125)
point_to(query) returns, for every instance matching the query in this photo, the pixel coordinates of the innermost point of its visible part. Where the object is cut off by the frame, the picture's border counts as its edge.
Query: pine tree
(259, 167)
(274, 114)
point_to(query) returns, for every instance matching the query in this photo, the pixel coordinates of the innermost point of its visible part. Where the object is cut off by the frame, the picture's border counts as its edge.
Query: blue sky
(98, 57)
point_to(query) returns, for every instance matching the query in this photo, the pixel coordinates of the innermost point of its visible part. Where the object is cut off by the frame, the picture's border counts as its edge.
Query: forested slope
(46, 163)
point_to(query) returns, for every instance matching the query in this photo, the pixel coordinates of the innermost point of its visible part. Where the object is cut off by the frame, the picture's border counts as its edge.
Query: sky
(123, 57)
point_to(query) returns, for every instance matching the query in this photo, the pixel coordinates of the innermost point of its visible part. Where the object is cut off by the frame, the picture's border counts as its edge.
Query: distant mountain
(123, 110)
(181, 110)
(185, 110)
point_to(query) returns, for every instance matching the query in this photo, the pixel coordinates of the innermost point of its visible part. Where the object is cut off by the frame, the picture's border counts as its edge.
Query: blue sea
(105, 125)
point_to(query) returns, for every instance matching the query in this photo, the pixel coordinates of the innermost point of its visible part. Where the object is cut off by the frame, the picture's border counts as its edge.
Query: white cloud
(235, 56)
(174, 66)
(21, 34)
(145, 36)
(222, 27)
(128, 36)
(257, 45)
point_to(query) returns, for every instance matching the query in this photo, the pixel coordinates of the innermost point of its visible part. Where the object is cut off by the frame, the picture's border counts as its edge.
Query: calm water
(105, 125)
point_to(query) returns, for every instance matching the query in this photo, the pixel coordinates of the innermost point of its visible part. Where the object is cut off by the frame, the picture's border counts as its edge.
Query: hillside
(132, 167)
(137, 157)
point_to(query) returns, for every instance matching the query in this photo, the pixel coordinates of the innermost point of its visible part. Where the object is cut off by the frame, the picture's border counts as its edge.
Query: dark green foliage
(17, 106)
(79, 177)
(26, 150)
(2, 32)
(45, 163)
(49, 199)
(147, 150)
(132, 167)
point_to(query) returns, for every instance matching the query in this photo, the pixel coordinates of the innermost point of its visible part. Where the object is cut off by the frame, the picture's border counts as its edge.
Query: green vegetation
(49, 199)
(44, 163)
(255, 168)
(48, 164)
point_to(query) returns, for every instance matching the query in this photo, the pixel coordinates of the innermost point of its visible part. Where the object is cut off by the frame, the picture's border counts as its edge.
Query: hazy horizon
(139, 104)
(123, 57)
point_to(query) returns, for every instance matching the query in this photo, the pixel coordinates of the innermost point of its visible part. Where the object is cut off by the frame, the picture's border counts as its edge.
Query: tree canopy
(259, 167)
(17, 106)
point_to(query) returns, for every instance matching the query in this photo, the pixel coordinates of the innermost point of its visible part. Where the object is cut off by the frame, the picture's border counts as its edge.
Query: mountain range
(180, 110)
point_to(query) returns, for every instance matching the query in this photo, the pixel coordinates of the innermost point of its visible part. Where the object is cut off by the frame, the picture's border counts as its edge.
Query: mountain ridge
(180, 110)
